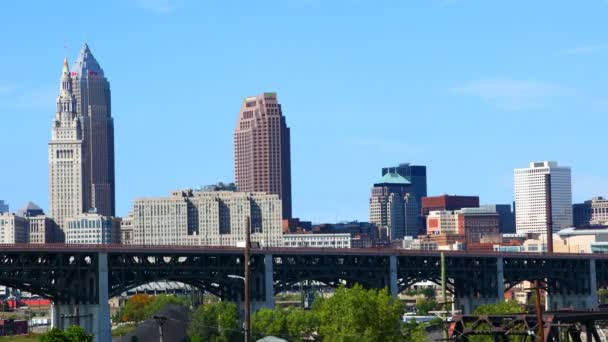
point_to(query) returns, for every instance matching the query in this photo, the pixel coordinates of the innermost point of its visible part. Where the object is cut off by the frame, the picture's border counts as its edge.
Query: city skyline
(163, 127)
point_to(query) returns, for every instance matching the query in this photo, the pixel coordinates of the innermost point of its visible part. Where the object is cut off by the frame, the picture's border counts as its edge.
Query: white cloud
(157, 6)
(511, 94)
(585, 49)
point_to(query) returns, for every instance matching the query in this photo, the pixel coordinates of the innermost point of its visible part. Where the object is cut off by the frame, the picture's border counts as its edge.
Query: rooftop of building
(393, 178)
(590, 230)
(86, 63)
(29, 209)
(220, 186)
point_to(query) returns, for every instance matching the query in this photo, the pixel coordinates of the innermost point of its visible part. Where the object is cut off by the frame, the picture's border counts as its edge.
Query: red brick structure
(448, 202)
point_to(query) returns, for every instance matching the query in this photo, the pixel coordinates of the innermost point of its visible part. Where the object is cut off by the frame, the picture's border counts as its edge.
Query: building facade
(207, 218)
(66, 155)
(394, 206)
(3, 207)
(507, 217)
(13, 229)
(126, 229)
(448, 202)
(543, 198)
(92, 228)
(592, 212)
(262, 160)
(341, 240)
(93, 103)
(41, 228)
(81, 149)
(470, 225)
(416, 175)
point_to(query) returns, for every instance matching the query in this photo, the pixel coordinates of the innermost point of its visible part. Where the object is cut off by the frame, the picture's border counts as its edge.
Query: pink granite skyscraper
(262, 159)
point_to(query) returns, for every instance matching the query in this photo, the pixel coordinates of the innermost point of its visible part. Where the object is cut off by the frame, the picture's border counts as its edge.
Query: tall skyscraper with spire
(84, 180)
(262, 159)
(66, 154)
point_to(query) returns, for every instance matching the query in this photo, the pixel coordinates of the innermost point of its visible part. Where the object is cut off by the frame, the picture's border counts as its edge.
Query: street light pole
(247, 257)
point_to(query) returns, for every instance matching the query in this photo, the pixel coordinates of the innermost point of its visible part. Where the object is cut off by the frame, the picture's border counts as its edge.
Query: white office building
(207, 218)
(92, 228)
(543, 194)
(340, 240)
(13, 229)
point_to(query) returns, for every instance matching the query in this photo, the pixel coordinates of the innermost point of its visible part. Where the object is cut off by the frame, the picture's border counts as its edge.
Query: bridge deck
(109, 248)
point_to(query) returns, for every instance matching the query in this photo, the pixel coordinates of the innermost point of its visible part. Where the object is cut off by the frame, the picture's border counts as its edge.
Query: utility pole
(444, 296)
(539, 313)
(247, 304)
(549, 214)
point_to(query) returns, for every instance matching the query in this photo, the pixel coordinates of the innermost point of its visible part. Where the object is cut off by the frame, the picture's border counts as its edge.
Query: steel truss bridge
(87, 275)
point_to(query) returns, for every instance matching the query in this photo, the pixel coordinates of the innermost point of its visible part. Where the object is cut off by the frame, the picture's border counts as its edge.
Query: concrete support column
(500, 279)
(268, 281)
(593, 300)
(103, 333)
(392, 269)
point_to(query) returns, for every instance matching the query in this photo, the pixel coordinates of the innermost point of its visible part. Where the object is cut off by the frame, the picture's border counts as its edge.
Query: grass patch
(20, 338)
(120, 331)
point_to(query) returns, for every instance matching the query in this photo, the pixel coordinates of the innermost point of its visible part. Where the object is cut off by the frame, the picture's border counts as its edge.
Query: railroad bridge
(81, 278)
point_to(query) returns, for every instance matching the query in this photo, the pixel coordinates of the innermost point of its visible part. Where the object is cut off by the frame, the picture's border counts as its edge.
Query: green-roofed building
(395, 203)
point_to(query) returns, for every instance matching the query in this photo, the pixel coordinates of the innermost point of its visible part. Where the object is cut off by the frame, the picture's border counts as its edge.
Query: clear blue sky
(472, 89)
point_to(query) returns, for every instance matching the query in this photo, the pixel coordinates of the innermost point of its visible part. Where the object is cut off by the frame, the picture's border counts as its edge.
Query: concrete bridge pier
(392, 279)
(93, 318)
(268, 283)
(468, 303)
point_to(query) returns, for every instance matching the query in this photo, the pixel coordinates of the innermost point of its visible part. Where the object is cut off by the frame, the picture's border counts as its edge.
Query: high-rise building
(207, 218)
(126, 229)
(543, 198)
(3, 207)
(507, 217)
(42, 228)
(92, 228)
(93, 102)
(262, 161)
(81, 150)
(66, 155)
(416, 175)
(393, 206)
(591, 212)
(13, 229)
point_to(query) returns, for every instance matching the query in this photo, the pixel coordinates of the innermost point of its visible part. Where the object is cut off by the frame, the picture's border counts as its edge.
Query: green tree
(429, 293)
(73, 334)
(216, 322)
(301, 324)
(268, 322)
(76, 333)
(158, 302)
(603, 295)
(504, 307)
(414, 331)
(361, 315)
(423, 306)
(54, 335)
(134, 310)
